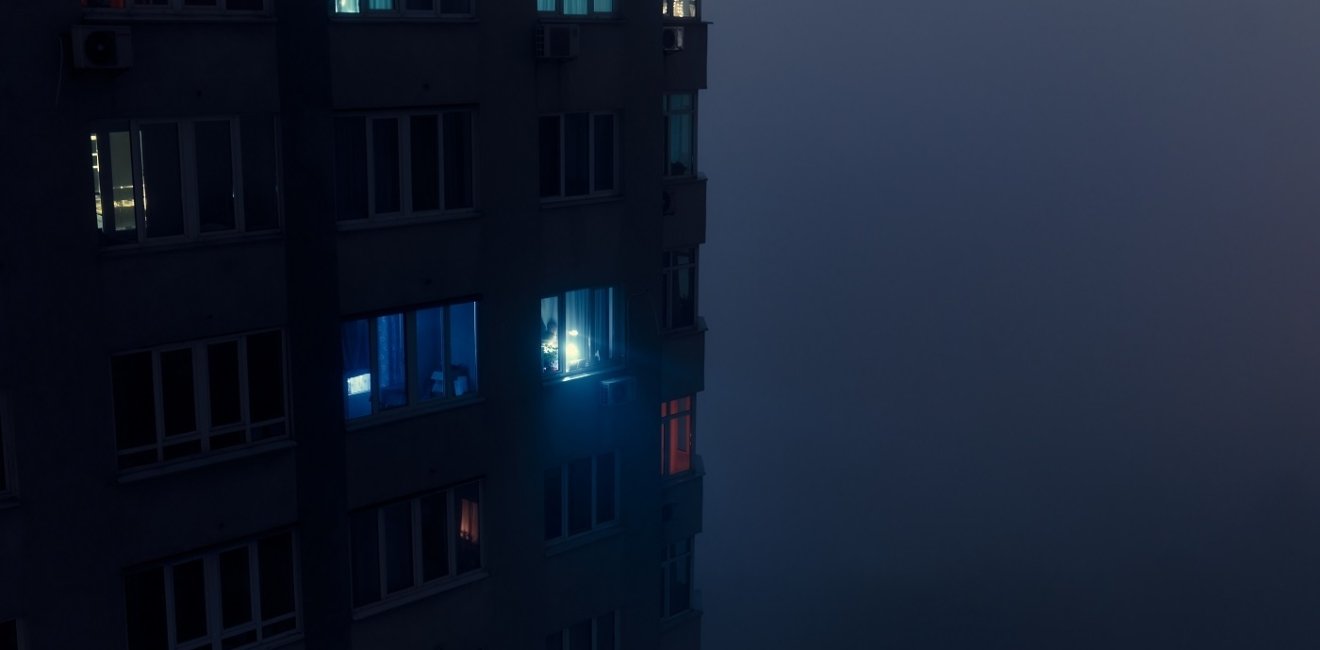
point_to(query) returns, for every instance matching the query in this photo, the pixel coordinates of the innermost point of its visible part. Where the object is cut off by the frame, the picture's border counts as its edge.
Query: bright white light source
(572, 332)
(359, 384)
(574, 355)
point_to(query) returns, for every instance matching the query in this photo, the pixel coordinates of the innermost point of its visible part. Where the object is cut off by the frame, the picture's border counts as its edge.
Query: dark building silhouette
(272, 278)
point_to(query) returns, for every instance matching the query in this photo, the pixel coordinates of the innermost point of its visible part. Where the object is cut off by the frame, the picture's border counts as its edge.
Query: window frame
(202, 402)
(403, 120)
(670, 276)
(669, 558)
(176, 7)
(566, 634)
(414, 402)
(565, 500)
(591, 14)
(453, 533)
(401, 10)
(213, 596)
(667, 9)
(618, 346)
(691, 111)
(592, 192)
(671, 411)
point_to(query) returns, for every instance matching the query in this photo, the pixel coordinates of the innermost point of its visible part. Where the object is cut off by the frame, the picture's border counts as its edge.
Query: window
(184, 401)
(575, 7)
(592, 334)
(409, 358)
(401, 546)
(9, 635)
(236, 597)
(679, 8)
(578, 154)
(580, 496)
(393, 165)
(183, 6)
(676, 567)
(678, 292)
(6, 453)
(180, 180)
(409, 8)
(680, 134)
(597, 633)
(677, 435)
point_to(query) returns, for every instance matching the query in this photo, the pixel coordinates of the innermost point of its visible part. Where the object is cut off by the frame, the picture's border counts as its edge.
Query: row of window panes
(676, 587)
(402, 165)
(597, 633)
(677, 436)
(678, 289)
(404, 7)
(580, 496)
(679, 8)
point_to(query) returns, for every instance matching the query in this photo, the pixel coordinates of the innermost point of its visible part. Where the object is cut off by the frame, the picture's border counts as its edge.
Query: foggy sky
(1015, 324)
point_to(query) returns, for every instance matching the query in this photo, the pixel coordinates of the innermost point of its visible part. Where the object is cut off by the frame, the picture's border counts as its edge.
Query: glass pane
(97, 201)
(462, 7)
(425, 140)
(350, 161)
(605, 631)
(435, 543)
(356, 345)
(577, 330)
(222, 374)
(176, 391)
(275, 562)
(682, 297)
(162, 193)
(554, 504)
(579, 496)
(545, 5)
(467, 500)
(458, 160)
(604, 152)
(550, 163)
(680, 589)
(215, 176)
(398, 546)
(430, 353)
(347, 7)
(380, 5)
(579, 636)
(121, 183)
(679, 145)
(602, 6)
(260, 174)
(366, 558)
(144, 600)
(385, 161)
(575, 7)
(463, 347)
(577, 139)
(391, 362)
(135, 400)
(266, 376)
(602, 345)
(189, 601)
(420, 5)
(235, 588)
(550, 335)
(605, 488)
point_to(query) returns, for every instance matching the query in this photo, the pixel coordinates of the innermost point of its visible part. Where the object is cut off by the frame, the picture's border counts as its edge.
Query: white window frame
(618, 320)
(565, 500)
(592, 192)
(192, 228)
(452, 536)
(566, 634)
(668, 416)
(178, 7)
(211, 584)
(404, 121)
(400, 9)
(671, 558)
(202, 400)
(669, 274)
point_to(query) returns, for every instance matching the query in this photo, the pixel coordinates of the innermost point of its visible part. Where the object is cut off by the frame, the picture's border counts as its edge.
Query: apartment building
(272, 282)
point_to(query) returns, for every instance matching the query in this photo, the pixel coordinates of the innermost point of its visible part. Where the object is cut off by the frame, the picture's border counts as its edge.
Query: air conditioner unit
(673, 38)
(619, 390)
(557, 41)
(97, 47)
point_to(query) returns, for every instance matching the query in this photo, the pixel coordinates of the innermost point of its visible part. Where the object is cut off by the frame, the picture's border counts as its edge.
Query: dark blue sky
(1015, 324)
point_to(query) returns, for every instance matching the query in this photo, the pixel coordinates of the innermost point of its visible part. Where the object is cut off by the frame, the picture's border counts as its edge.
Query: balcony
(682, 509)
(683, 361)
(684, 222)
(685, 69)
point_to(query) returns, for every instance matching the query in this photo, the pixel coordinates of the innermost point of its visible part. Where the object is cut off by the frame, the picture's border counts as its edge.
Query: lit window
(402, 546)
(400, 165)
(180, 180)
(179, 402)
(677, 436)
(680, 134)
(417, 8)
(678, 291)
(575, 7)
(578, 155)
(679, 8)
(676, 567)
(591, 335)
(580, 496)
(598, 633)
(236, 597)
(181, 6)
(409, 358)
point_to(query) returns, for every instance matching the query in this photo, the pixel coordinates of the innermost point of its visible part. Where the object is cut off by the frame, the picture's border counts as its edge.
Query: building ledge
(138, 474)
(175, 245)
(409, 412)
(417, 594)
(578, 201)
(598, 374)
(699, 177)
(353, 225)
(560, 546)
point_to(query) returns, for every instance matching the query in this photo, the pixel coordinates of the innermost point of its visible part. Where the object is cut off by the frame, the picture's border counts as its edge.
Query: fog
(1015, 329)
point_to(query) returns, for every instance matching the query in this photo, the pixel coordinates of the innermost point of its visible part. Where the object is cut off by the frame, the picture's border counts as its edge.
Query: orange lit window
(676, 436)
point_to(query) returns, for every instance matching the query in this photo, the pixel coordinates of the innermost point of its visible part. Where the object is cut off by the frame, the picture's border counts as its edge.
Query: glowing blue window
(581, 331)
(575, 7)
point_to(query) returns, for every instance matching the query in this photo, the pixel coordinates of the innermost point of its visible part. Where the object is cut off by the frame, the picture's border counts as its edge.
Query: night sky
(1015, 324)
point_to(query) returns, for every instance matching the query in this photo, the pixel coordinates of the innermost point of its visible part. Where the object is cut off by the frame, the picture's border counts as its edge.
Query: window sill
(175, 244)
(558, 203)
(418, 593)
(554, 380)
(138, 474)
(412, 220)
(697, 473)
(410, 412)
(559, 546)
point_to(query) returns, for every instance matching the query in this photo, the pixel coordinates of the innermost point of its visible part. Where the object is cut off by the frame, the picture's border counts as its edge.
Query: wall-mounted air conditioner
(673, 38)
(557, 41)
(97, 47)
(619, 390)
